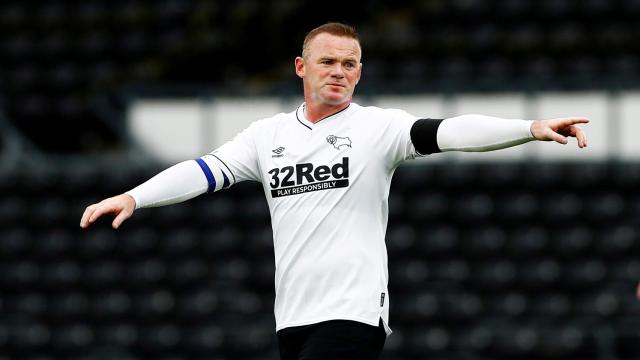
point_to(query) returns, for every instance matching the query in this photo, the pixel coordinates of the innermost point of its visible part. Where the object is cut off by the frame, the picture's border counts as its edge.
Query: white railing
(174, 130)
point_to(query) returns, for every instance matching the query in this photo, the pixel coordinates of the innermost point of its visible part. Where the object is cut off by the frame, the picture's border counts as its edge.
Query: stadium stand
(504, 260)
(65, 67)
(477, 269)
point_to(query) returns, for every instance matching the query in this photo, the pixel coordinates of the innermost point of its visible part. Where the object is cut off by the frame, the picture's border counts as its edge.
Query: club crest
(338, 141)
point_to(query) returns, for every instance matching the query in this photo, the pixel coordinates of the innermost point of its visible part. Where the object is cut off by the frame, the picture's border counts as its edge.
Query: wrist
(132, 199)
(534, 128)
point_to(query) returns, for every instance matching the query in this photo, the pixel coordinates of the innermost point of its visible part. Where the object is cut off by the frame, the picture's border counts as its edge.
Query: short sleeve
(396, 140)
(240, 155)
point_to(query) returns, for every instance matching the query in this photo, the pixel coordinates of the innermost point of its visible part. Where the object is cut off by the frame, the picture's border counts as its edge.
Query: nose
(337, 71)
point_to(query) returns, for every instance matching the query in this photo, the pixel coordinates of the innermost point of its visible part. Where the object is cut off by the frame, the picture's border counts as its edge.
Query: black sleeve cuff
(424, 136)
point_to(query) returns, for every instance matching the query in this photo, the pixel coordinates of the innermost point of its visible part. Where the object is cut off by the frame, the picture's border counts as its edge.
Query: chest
(298, 160)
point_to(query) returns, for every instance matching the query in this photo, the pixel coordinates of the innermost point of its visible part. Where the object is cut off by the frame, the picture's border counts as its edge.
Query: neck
(315, 113)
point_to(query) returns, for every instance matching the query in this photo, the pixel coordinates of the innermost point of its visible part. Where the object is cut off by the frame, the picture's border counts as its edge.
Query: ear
(359, 73)
(299, 65)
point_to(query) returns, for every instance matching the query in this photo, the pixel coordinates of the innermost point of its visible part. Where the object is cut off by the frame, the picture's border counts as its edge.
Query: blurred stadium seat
(486, 260)
(490, 260)
(63, 62)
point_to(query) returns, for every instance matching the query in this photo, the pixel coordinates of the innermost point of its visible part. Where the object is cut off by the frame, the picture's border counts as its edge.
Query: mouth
(335, 84)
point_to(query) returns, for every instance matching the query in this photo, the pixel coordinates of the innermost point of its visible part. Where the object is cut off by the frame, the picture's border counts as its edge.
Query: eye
(350, 65)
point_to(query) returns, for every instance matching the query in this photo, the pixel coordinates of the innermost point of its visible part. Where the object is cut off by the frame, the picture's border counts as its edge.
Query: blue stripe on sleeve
(207, 172)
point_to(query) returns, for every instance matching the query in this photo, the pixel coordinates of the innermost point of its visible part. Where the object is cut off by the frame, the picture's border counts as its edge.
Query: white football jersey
(327, 186)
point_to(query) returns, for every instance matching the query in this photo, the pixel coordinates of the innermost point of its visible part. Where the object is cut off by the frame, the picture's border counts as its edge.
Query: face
(330, 70)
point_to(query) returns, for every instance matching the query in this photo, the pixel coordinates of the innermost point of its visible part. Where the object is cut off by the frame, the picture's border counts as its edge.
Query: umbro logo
(277, 152)
(337, 141)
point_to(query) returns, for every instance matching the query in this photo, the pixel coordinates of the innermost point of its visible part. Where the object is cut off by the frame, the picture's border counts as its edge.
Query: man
(326, 169)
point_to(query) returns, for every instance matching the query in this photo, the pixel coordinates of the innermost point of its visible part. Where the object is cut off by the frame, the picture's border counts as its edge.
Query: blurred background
(527, 253)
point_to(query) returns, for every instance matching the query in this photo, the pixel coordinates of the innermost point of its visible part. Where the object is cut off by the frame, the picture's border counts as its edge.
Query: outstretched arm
(178, 183)
(486, 133)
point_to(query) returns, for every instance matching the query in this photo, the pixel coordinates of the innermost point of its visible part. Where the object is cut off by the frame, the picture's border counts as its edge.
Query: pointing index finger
(574, 120)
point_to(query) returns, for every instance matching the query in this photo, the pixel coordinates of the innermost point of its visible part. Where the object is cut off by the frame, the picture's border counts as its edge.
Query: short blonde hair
(333, 28)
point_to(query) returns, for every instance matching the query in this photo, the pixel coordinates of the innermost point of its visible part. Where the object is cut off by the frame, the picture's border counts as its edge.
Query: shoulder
(271, 122)
(374, 113)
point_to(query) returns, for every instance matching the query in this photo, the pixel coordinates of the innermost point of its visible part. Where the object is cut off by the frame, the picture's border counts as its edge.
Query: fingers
(92, 213)
(563, 127)
(581, 137)
(84, 221)
(575, 131)
(562, 122)
(552, 135)
(559, 123)
(95, 211)
(100, 210)
(124, 215)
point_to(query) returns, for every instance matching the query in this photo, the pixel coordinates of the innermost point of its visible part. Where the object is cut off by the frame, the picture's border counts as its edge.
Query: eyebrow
(352, 59)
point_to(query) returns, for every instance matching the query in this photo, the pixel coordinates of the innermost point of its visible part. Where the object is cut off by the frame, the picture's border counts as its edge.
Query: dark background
(513, 260)
(67, 68)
